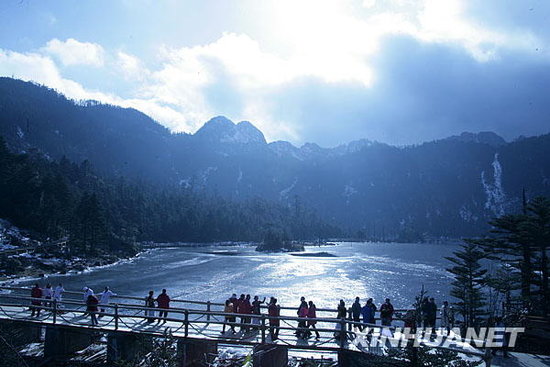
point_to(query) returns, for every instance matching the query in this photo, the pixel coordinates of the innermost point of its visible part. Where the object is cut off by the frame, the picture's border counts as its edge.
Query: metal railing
(208, 305)
(334, 334)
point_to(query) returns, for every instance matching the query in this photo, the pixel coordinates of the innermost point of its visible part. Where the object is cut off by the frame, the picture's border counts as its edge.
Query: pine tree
(537, 233)
(90, 233)
(468, 280)
(511, 245)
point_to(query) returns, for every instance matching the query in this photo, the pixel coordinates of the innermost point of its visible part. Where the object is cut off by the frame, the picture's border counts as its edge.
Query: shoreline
(37, 274)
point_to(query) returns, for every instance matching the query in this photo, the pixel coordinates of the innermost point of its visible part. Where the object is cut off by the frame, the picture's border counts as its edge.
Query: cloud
(131, 67)
(42, 69)
(330, 71)
(72, 52)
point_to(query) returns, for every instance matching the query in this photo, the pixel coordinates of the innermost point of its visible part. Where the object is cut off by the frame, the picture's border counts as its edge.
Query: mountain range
(445, 188)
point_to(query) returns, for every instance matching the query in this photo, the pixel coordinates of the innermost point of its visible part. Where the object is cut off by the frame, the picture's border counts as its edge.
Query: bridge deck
(196, 324)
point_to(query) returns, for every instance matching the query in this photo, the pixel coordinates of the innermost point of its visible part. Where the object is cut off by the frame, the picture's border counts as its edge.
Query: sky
(323, 71)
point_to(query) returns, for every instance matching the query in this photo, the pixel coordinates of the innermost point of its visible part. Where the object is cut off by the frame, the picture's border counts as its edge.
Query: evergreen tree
(537, 233)
(522, 241)
(90, 230)
(469, 276)
(509, 244)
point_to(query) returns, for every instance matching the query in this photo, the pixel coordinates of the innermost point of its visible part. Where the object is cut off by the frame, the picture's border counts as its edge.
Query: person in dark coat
(257, 311)
(356, 312)
(370, 303)
(341, 314)
(163, 303)
(431, 315)
(424, 312)
(36, 295)
(386, 313)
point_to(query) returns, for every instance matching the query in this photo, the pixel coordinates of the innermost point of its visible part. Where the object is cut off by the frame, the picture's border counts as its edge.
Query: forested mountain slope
(442, 188)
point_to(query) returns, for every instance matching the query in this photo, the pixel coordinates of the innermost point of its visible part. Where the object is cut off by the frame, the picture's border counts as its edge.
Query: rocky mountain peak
(222, 130)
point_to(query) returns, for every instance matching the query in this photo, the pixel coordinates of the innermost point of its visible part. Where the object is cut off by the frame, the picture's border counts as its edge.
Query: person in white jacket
(87, 292)
(58, 295)
(58, 292)
(105, 298)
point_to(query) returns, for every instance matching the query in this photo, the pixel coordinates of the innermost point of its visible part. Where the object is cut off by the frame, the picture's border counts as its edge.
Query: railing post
(116, 316)
(208, 310)
(54, 305)
(263, 328)
(488, 358)
(186, 323)
(343, 332)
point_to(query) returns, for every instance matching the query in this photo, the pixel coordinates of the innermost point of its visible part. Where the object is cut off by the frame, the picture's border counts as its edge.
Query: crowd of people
(248, 311)
(48, 294)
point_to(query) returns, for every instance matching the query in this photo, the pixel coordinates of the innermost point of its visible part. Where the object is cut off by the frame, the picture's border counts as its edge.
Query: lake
(376, 270)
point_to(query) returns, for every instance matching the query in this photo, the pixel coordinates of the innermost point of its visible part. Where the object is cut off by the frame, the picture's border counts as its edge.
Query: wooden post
(343, 332)
(263, 328)
(116, 316)
(488, 357)
(208, 310)
(186, 323)
(54, 304)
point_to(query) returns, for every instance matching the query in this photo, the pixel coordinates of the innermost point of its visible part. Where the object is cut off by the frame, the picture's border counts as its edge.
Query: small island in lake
(315, 254)
(275, 241)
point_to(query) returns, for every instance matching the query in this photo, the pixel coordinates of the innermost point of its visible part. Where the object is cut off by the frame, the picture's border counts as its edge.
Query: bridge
(197, 327)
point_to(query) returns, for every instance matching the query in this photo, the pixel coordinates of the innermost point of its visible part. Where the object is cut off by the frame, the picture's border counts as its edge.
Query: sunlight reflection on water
(377, 270)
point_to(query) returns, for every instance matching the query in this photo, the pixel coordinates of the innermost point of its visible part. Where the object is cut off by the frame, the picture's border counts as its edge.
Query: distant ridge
(449, 187)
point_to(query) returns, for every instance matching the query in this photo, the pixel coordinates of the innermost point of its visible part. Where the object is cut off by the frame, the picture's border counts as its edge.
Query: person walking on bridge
(87, 292)
(386, 313)
(229, 319)
(36, 295)
(58, 295)
(367, 312)
(303, 331)
(238, 305)
(256, 311)
(47, 294)
(431, 315)
(356, 313)
(91, 308)
(104, 299)
(246, 310)
(312, 315)
(299, 311)
(341, 315)
(446, 316)
(274, 311)
(163, 302)
(150, 307)
(58, 292)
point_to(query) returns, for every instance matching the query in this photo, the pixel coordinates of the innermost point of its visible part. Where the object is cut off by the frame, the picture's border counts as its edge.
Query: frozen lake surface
(376, 270)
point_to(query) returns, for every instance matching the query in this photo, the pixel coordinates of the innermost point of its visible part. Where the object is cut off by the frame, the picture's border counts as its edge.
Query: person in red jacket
(163, 302)
(36, 295)
(91, 308)
(312, 314)
(245, 310)
(274, 311)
